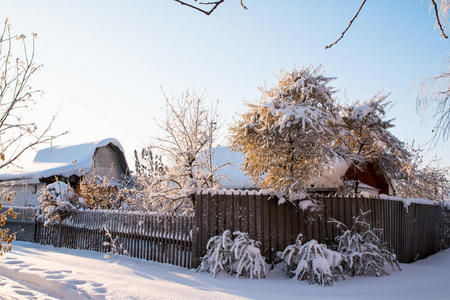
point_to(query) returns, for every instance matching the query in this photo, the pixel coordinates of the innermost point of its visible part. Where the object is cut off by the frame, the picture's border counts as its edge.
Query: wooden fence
(412, 233)
(157, 237)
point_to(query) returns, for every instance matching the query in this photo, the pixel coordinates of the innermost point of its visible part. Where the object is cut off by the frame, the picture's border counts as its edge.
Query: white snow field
(33, 271)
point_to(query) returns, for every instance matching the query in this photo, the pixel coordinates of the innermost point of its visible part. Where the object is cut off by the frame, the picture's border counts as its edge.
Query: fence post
(195, 232)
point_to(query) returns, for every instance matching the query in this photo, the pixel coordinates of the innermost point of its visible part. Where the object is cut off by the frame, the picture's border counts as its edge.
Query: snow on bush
(313, 262)
(113, 244)
(248, 256)
(241, 255)
(218, 254)
(58, 201)
(363, 250)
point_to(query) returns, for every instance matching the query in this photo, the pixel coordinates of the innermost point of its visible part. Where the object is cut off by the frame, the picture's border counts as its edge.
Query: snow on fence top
(269, 192)
(59, 160)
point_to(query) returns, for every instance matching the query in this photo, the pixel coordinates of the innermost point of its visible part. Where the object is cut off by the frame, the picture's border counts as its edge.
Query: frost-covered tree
(363, 249)
(137, 189)
(58, 201)
(148, 163)
(17, 96)
(429, 180)
(188, 132)
(434, 94)
(369, 140)
(289, 137)
(313, 262)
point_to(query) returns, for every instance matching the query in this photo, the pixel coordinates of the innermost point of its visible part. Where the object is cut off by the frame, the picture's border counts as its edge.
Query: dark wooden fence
(412, 233)
(157, 237)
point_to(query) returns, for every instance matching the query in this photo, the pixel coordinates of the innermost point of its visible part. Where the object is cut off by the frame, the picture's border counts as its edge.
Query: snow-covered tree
(289, 137)
(313, 262)
(363, 249)
(58, 201)
(367, 137)
(189, 131)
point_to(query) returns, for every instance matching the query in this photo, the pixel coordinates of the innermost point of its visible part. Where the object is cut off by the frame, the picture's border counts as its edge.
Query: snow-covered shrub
(248, 256)
(113, 244)
(218, 255)
(241, 255)
(363, 249)
(58, 201)
(313, 262)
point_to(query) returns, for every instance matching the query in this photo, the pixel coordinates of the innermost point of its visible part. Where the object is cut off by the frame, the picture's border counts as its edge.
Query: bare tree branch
(438, 20)
(348, 27)
(214, 4)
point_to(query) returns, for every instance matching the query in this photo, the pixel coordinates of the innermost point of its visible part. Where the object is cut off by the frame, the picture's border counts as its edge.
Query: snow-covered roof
(231, 176)
(332, 178)
(58, 160)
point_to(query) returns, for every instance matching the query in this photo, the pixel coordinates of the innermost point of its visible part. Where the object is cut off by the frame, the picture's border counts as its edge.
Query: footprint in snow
(100, 290)
(24, 293)
(76, 282)
(54, 276)
(13, 262)
(53, 272)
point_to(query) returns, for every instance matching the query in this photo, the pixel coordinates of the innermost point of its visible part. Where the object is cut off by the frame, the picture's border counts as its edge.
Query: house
(65, 163)
(341, 177)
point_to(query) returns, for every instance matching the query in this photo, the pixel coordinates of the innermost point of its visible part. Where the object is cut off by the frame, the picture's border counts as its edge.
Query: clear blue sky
(106, 61)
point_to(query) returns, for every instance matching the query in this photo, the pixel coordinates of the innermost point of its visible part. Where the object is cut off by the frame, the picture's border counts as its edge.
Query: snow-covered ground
(33, 271)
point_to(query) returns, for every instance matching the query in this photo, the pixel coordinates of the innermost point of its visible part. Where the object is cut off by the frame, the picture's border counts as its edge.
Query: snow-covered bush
(363, 249)
(218, 255)
(248, 256)
(113, 244)
(313, 262)
(241, 255)
(58, 201)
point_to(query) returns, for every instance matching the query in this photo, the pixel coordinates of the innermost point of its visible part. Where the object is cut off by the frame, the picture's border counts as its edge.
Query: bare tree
(440, 12)
(426, 180)
(188, 132)
(434, 95)
(17, 96)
